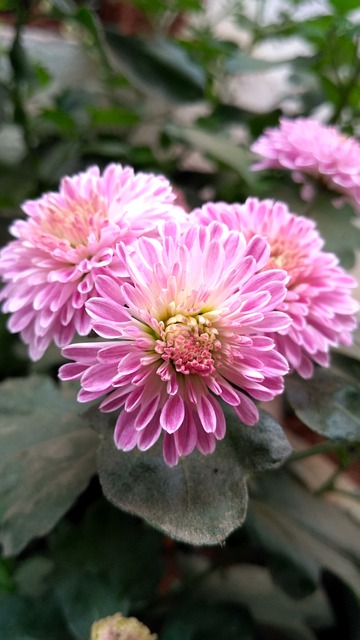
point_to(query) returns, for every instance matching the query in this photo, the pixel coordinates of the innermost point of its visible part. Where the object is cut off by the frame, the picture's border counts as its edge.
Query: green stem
(18, 63)
(347, 494)
(315, 450)
(328, 485)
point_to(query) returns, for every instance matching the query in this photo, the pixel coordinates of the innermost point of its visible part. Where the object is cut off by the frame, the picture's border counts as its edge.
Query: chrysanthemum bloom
(187, 331)
(66, 240)
(305, 146)
(319, 291)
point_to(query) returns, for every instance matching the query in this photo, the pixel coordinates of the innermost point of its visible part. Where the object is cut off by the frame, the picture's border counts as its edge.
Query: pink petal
(125, 436)
(172, 414)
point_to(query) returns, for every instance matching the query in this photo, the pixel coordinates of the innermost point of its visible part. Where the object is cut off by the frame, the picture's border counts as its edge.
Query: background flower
(191, 331)
(305, 146)
(66, 240)
(319, 290)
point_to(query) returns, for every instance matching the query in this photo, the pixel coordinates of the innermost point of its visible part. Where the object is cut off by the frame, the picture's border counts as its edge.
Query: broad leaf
(344, 6)
(275, 614)
(24, 618)
(113, 117)
(241, 63)
(320, 534)
(292, 569)
(328, 403)
(208, 621)
(46, 458)
(158, 65)
(203, 498)
(92, 23)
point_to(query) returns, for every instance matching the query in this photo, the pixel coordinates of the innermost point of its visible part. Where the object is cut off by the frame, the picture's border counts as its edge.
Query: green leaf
(88, 19)
(158, 7)
(7, 583)
(32, 576)
(113, 117)
(203, 498)
(294, 571)
(208, 621)
(43, 76)
(21, 67)
(24, 618)
(46, 458)
(113, 149)
(313, 528)
(85, 597)
(242, 63)
(61, 120)
(344, 6)
(275, 614)
(328, 403)
(316, 28)
(8, 5)
(107, 563)
(64, 7)
(158, 65)
(217, 147)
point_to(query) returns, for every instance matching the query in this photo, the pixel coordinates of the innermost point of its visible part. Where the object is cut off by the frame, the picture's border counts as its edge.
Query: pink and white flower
(319, 290)
(187, 331)
(307, 147)
(66, 240)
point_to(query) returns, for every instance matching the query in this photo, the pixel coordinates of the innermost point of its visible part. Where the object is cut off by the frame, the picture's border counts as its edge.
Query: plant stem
(347, 494)
(328, 485)
(18, 64)
(316, 449)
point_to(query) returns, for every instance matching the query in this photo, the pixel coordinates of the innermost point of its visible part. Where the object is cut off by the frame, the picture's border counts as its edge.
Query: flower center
(190, 343)
(293, 259)
(74, 222)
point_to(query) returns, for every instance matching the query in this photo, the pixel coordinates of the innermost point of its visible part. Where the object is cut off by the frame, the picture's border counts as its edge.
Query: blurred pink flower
(67, 239)
(319, 291)
(305, 146)
(187, 330)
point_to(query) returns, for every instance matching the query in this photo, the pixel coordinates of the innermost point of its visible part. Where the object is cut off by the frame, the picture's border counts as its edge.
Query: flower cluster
(189, 329)
(306, 147)
(190, 310)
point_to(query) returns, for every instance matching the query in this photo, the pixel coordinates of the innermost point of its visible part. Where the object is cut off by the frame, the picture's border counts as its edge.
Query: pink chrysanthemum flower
(319, 291)
(187, 331)
(66, 240)
(305, 146)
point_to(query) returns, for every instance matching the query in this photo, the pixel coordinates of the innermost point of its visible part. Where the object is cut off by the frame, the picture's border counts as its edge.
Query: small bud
(117, 627)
